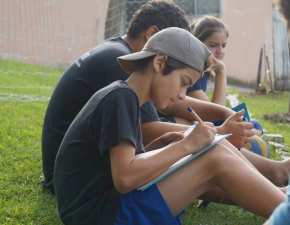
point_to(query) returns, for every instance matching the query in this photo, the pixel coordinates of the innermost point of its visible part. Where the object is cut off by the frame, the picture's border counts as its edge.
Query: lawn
(22, 200)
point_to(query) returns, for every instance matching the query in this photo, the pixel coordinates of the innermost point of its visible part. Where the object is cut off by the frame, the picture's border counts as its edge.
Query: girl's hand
(241, 130)
(220, 86)
(164, 140)
(219, 66)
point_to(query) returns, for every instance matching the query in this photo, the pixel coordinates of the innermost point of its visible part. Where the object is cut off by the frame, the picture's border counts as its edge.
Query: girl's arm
(206, 110)
(129, 173)
(198, 94)
(220, 87)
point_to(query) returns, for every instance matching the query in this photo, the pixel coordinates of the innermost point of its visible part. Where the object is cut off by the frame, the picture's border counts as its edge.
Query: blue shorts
(281, 214)
(145, 208)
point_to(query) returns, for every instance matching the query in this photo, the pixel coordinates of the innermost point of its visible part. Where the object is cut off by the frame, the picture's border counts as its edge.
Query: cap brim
(127, 61)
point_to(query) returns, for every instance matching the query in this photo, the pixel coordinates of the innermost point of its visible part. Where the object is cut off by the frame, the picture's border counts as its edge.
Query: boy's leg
(219, 166)
(217, 195)
(277, 172)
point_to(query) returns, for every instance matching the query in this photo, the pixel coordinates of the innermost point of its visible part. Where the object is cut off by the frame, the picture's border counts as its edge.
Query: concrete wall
(56, 32)
(50, 32)
(250, 25)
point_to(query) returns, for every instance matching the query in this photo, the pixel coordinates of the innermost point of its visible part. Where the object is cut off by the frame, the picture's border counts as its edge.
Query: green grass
(34, 80)
(216, 214)
(260, 105)
(22, 200)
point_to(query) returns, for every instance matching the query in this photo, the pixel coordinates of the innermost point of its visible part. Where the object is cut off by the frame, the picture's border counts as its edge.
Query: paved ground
(210, 86)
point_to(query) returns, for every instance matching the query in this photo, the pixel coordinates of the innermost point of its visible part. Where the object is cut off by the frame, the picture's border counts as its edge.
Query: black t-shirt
(92, 71)
(82, 178)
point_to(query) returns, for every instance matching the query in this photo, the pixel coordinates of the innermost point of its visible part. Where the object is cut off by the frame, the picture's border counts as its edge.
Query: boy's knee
(220, 154)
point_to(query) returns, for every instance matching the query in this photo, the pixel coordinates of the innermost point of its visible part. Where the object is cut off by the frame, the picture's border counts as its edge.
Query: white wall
(52, 32)
(250, 26)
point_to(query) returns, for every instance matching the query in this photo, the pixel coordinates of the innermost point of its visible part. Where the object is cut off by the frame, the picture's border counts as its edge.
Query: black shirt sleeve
(148, 112)
(120, 119)
(116, 73)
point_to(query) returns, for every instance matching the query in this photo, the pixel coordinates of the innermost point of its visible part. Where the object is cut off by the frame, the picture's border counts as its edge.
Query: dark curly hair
(160, 13)
(284, 8)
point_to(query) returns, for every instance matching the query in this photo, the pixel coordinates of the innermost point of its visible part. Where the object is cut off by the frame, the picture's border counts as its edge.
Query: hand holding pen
(196, 117)
(203, 133)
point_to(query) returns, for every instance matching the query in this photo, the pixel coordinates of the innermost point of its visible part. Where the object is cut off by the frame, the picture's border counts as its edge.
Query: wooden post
(266, 76)
(269, 72)
(259, 71)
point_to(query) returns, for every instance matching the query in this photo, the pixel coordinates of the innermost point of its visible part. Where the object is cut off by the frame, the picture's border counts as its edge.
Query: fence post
(259, 71)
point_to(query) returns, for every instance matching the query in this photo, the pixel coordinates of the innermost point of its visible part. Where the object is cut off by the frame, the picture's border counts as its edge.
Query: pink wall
(56, 32)
(250, 26)
(50, 32)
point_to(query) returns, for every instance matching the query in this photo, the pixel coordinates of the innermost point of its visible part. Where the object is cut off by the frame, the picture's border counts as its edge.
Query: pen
(196, 117)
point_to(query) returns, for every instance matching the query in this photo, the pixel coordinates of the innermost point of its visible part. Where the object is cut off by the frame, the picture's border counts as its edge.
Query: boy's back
(91, 72)
(85, 195)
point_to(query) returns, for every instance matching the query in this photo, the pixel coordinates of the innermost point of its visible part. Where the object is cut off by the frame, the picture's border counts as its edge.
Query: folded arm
(207, 111)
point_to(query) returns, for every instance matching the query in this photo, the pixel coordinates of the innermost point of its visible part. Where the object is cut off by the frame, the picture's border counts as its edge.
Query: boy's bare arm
(207, 111)
(155, 129)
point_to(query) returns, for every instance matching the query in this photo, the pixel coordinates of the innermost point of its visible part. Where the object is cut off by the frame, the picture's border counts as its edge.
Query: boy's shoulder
(118, 90)
(115, 45)
(118, 85)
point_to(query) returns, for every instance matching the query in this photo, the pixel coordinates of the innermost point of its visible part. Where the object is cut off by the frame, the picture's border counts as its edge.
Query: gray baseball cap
(174, 42)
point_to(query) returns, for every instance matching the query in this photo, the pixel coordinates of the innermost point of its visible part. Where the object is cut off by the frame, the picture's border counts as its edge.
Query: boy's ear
(159, 62)
(151, 31)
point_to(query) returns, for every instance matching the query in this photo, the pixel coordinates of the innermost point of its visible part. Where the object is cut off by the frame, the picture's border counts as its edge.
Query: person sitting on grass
(99, 68)
(214, 34)
(96, 173)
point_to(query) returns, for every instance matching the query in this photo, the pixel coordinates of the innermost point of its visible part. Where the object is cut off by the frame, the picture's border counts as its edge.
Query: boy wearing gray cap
(97, 155)
(98, 68)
